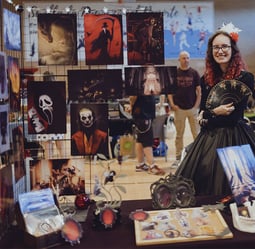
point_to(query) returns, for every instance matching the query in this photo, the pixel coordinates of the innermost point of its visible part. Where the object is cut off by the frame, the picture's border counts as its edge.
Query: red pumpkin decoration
(82, 201)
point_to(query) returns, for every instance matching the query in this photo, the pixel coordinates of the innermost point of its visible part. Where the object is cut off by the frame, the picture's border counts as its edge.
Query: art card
(3, 77)
(12, 35)
(4, 128)
(14, 82)
(57, 39)
(95, 85)
(149, 80)
(89, 129)
(238, 163)
(145, 38)
(46, 107)
(103, 39)
(67, 176)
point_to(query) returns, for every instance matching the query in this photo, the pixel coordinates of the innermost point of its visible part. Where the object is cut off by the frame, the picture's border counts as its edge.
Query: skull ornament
(46, 104)
(86, 117)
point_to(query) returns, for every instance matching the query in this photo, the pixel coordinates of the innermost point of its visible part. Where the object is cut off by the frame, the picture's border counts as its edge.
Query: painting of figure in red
(103, 39)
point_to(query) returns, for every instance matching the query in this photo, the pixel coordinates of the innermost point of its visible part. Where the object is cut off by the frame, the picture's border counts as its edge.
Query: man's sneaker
(175, 164)
(155, 170)
(142, 167)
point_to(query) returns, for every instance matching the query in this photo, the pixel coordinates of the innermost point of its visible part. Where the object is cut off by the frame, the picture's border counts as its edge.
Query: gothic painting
(103, 39)
(149, 80)
(89, 129)
(46, 107)
(57, 39)
(145, 38)
(95, 85)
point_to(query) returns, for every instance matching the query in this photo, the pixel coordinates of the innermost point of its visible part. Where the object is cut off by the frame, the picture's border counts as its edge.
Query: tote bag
(169, 128)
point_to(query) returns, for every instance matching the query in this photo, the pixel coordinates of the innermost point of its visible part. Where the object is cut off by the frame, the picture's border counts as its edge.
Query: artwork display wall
(178, 26)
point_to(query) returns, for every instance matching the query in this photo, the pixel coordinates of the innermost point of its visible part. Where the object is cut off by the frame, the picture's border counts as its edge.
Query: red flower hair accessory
(231, 30)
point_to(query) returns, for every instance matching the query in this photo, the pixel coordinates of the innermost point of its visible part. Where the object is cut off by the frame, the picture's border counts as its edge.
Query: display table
(122, 236)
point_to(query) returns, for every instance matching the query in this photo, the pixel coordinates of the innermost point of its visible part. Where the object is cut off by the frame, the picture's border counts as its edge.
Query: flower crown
(231, 30)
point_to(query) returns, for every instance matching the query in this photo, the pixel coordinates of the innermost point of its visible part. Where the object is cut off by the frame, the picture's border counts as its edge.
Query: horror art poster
(57, 39)
(103, 39)
(46, 107)
(89, 129)
(145, 38)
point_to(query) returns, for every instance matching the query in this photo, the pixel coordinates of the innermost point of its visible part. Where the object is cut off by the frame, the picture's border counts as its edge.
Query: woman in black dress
(221, 126)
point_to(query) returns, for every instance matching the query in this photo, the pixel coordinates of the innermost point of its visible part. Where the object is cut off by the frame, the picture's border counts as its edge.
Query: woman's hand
(224, 110)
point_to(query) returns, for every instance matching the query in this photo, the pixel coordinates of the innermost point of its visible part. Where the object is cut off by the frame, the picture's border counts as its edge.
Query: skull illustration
(86, 117)
(46, 104)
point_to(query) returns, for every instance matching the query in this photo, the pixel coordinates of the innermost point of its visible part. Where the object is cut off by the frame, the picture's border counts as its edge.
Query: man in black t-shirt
(184, 99)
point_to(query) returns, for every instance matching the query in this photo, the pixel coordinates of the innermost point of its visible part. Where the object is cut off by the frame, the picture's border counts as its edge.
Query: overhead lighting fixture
(105, 10)
(19, 8)
(68, 8)
(48, 10)
(87, 10)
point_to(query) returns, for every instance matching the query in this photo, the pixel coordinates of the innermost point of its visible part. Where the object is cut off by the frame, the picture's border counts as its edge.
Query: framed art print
(238, 163)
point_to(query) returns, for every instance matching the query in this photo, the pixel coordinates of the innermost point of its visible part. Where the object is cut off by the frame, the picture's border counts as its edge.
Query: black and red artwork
(46, 107)
(89, 129)
(145, 38)
(95, 85)
(103, 39)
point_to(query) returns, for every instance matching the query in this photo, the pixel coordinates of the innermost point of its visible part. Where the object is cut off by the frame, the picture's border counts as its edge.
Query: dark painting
(57, 39)
(14, 82)
(95, 85)
(89, 129)
(103, 39)
(46, 107)
(145, 38)
(149, 80)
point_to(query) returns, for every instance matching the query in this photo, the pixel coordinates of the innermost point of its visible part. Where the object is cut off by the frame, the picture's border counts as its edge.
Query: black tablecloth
(122, 235)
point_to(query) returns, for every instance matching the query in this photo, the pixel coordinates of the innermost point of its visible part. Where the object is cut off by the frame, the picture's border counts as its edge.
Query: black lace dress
(201, 163)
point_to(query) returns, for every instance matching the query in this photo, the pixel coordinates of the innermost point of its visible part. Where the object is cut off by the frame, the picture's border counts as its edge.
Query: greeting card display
(40, 212)
(180, 225)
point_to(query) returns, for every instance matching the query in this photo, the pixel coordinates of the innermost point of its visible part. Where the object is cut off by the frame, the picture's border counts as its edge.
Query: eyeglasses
(224, 48)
